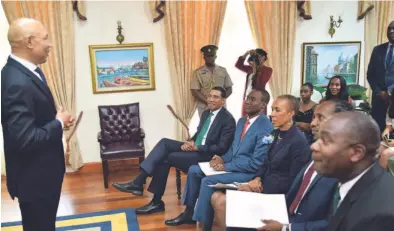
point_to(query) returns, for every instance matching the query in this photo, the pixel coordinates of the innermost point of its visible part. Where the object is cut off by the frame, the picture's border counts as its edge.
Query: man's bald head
(360, 128)
(21, 29)
(347, 145)
(29, 40)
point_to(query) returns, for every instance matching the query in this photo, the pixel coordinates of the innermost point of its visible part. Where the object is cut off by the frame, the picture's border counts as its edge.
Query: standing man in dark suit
(363, 200)
(214, 136)
(380, 77)
(32, 127)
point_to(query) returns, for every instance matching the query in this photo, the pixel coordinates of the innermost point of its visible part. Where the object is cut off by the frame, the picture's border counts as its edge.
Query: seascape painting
(321, 61)
(120, 68)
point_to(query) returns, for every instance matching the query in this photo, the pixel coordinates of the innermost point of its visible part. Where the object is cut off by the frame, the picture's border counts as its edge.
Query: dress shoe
(182, 219)
(130, 187)
(151, 207)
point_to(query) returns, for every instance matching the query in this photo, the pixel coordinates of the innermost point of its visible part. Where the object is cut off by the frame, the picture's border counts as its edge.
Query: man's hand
(65, 117)
(256, 185)
(249, 52)
(188, 146)
(271, 225)
(218, 167)
(216, 160)
(384, 95)
(244, 187)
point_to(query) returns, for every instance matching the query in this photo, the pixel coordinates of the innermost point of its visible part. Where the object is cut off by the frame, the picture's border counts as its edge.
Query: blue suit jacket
(314, 208)
(246, 155)
(377, 70)
(284, 161)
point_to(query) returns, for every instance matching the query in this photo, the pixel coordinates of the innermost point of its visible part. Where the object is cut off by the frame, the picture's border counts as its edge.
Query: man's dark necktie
(304, 185)
(336, 199)
(389, 57)
(39, 71)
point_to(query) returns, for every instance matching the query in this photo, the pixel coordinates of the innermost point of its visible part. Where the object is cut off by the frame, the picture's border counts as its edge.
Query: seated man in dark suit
(363, 200)
(310, 195)
(242, 161)
(214, 136)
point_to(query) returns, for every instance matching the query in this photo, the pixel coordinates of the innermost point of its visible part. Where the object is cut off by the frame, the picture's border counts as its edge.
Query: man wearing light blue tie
(380, 77)
(242, 161)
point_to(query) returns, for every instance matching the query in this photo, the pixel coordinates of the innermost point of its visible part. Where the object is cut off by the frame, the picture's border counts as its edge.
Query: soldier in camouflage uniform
(208, 76)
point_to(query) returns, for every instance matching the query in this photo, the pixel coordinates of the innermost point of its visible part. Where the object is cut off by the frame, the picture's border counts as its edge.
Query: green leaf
(319, 89)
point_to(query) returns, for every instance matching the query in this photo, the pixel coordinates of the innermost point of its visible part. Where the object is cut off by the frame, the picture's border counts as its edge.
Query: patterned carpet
(115, 220)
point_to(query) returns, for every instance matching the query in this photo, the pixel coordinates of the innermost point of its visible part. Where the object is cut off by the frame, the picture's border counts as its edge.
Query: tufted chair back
(120, 123)
(121, 136)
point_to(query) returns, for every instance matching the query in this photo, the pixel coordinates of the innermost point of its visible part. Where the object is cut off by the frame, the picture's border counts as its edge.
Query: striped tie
(336, 199)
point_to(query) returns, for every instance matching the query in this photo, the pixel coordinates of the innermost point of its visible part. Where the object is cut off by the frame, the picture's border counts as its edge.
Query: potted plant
(359, 96)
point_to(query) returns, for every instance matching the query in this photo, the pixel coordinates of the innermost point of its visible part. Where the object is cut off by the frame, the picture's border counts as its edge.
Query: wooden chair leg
(178, 183)
(105, 173)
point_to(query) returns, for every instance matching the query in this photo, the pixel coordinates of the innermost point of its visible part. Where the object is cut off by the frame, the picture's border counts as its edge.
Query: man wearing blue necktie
(32, 127)
(380, 77)
(213, 137)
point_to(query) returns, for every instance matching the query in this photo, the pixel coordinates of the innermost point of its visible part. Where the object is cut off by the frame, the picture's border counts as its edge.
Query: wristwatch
(285, 228)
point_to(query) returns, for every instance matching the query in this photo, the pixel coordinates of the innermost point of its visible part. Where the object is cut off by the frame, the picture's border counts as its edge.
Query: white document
(208, 171)
(247, 209)
(232, 186)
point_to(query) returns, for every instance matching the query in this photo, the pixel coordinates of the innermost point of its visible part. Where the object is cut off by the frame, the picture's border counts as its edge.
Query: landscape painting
(120, 68)
(321, 61)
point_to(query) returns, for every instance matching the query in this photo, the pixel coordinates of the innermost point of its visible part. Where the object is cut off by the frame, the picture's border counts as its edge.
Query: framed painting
(122, 67)
(321, 61)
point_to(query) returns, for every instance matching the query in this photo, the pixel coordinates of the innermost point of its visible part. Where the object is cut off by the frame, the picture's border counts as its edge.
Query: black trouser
(39, 214)
(379, 110)
(166, 154)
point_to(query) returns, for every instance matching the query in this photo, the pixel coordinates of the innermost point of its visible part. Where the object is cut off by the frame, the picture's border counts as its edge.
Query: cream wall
(100, 28)
(136, 21)
(316, 30)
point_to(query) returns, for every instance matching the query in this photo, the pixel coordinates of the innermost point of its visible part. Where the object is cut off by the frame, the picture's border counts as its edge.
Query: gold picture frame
(322, 60)
(122, 67)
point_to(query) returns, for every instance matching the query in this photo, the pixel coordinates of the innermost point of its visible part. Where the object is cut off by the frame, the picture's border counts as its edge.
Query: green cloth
(336, 199)
(203, 131)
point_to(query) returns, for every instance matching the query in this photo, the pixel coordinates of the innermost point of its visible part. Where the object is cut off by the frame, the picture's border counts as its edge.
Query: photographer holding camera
(257, 73)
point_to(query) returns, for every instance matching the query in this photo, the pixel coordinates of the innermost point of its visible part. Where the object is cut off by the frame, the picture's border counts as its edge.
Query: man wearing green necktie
(365, 193)
(214, 136)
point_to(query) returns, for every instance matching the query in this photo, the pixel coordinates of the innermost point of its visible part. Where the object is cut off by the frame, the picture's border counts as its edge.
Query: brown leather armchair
(121, 136)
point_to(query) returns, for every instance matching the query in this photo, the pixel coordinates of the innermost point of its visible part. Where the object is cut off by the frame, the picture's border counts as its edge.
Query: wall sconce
(120, 37)
(333, 24)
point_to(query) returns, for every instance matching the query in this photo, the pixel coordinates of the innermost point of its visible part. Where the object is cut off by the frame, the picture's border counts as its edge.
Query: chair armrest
(142, 133)
(99, 137)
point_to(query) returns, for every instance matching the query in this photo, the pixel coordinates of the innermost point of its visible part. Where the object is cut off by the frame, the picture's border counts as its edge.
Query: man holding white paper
(242, 161)
(310, 195)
